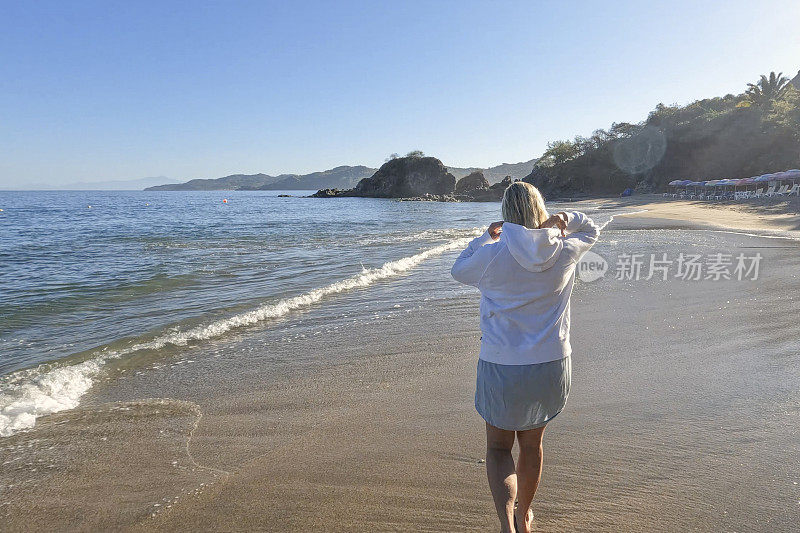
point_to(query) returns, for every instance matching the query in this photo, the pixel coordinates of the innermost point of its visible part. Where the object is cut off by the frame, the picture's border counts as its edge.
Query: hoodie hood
(535, 250)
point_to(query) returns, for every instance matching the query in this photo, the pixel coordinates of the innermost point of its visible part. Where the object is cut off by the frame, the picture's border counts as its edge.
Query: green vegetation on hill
(733, 136)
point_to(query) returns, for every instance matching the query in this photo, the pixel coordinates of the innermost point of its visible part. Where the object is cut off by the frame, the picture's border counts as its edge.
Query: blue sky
(109, 90)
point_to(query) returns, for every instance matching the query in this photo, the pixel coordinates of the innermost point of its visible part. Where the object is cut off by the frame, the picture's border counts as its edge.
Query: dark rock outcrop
(502, 185)
(431, 198)
(472, 182)
(495, 174)
(484, 195)
(407, 177)
(493, 193)
(416, 178)
(331, 193)
(540, 178)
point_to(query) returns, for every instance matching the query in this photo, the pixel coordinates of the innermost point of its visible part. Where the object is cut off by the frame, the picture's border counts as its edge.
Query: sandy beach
(768, 215)
(683, 413)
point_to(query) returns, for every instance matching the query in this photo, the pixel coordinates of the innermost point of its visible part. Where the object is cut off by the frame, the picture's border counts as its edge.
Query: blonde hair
(523, 204)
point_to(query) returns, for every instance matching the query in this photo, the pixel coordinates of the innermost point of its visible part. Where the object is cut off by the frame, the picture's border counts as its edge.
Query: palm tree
(767, 89)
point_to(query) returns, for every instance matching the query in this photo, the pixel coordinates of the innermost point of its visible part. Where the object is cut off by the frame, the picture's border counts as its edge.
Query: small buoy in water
(148, 203)
(225, 201)
(88, 207)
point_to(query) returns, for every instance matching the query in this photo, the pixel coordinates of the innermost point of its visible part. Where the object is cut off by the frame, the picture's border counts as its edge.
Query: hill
(497, 173)
(343, 177)
(339, 177)
(227, 183)
(733, 136)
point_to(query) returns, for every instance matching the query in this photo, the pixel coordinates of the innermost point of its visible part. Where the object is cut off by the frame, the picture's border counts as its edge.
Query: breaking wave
(28, 394)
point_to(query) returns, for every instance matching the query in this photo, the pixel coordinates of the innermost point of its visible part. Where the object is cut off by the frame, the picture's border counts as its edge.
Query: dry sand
(683, 416)
(763, 215)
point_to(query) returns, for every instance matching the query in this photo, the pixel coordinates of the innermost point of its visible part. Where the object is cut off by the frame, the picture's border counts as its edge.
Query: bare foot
(523, 524)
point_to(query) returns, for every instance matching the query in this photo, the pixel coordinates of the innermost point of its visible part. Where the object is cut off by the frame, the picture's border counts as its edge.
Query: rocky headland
(423, 179)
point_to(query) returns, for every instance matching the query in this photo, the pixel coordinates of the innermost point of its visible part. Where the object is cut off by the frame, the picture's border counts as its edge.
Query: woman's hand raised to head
(495, 229)
(556, 221)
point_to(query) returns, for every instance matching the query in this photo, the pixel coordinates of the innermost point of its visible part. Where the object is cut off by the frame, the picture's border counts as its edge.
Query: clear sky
(109, 90)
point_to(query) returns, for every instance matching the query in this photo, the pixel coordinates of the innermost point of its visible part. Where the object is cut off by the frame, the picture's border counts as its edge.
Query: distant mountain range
(109, 185)
(496, 174)
(343, 177)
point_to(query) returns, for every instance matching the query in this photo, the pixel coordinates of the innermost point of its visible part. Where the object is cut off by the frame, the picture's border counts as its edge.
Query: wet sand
(683, 416)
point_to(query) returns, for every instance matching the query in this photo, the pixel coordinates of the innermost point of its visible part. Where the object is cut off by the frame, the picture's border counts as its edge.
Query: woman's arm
(581, 234)
(472, 263)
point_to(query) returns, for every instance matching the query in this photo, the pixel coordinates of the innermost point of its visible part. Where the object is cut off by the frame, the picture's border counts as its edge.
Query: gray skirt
(520, 397)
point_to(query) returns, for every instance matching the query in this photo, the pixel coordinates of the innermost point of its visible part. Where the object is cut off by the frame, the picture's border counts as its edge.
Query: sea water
(91, 277)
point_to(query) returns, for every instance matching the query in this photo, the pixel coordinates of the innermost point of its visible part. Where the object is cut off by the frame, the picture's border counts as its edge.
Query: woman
(524, 268)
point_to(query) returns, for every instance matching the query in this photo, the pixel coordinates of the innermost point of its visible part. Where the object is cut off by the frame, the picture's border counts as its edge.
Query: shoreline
(776, 216)
(381, 434)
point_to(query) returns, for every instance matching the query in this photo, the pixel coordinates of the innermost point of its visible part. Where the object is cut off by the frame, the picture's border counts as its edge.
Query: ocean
(90, 279)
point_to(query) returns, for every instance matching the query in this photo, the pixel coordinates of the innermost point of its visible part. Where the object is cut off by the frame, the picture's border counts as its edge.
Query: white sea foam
(48, 392)
(607, 222)
(29, 394)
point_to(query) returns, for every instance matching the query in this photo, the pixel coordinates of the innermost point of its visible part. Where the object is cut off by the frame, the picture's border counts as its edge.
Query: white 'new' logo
(592, 267)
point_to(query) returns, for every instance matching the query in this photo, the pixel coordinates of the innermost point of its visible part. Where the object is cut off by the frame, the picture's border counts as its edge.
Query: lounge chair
(794, 190)
(783, 190)
(758, 194)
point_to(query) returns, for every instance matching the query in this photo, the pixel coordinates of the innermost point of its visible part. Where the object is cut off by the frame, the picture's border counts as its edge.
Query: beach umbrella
(698, 184)
(793, 174)
(787, 175)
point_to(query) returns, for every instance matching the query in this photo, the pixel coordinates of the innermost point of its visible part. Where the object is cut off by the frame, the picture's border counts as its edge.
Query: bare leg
(501, 474)
(529, 472)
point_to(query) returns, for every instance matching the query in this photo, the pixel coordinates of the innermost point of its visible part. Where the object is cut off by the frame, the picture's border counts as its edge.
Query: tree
(624, 129)
(415, 153)
(392, 156)
(767, 89)
(558, 153)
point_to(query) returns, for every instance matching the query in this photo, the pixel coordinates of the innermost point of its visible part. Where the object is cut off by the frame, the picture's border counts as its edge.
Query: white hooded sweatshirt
(526, 280)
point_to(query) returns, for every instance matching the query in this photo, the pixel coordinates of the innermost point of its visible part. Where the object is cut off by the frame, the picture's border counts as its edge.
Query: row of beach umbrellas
(787, 175)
